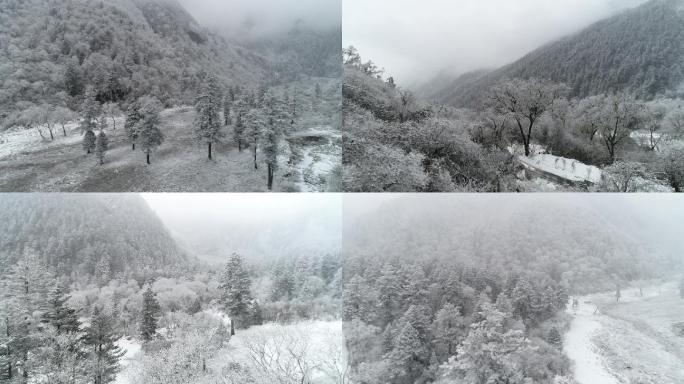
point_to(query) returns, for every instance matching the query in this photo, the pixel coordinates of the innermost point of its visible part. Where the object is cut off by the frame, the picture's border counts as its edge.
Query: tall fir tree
(104, 354)
(276, 122)
(150, 136)
(236, 297)
(239, 127)
(208, 105)
(101, 146)
(59, 314)
(91, 110)
(254, 125)
(131, 126)
(150, 311)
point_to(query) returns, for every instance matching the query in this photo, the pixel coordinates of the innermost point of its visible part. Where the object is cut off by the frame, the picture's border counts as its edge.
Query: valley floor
(633, 341)
(31, 164)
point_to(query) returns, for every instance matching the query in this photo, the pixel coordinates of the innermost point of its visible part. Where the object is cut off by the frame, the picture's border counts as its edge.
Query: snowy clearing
(632, 341)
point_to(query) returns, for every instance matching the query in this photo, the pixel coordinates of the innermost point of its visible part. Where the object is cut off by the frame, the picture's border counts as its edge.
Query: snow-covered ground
(132, 348)
(632, 341)
(320, 344)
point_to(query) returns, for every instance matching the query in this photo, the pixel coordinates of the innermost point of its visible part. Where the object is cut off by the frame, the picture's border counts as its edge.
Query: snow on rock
(568, 169)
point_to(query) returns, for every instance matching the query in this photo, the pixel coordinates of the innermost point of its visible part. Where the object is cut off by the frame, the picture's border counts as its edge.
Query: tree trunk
(209, 150)
(256, 166)
(114, 123)
(239, 145)
(134, 146)
(63, 130)
(270, 177)
(232, 328)
(148, 158)
(52, 136)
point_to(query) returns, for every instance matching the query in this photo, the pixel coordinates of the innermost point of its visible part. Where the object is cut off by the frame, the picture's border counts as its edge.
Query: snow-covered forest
(136, 95)
(476, 289)
(599, 110)
(102, 289)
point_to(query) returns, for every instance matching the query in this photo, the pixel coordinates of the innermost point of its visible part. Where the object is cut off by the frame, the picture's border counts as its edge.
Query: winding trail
(579, 347)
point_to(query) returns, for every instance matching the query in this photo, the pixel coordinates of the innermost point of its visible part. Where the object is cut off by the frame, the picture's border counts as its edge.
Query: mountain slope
(640, 50)
(86, 234)
(125, 48)
(553, 236)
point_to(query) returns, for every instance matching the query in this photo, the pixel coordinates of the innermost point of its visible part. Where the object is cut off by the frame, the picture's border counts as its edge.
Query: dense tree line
(87, 235)
(127, 50)
(422, 322)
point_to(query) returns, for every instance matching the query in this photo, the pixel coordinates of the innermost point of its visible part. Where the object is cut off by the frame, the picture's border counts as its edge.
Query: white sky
(248, 18)
(415, 40)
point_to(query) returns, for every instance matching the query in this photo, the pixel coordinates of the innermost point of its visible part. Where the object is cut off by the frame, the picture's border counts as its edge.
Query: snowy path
(579, 347)
(627, 342)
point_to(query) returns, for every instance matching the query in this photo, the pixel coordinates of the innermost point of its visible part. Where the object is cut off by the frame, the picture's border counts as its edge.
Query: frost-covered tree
(103, 357)
(101, 146)
(254, 125)
(626, 176)
(239, 127)
(150, 312)
(525, 101)
(618, 118)
(208, 105)
(448, 329)
(62, 116)
(491, 353)
(131, 126)
(89, 140)
(277, 120)
(407, 357)
(59, 314)
(236, 297)
(149, 134)
(90, 110)
(112, 111)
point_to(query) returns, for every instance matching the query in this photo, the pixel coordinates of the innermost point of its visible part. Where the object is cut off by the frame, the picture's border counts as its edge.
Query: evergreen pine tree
(273, 131)
(406, 358)
(150, 137)
(131, 126)
(89, 140)
(254, 124)
(554, 338)
(150, 311)
(101, 146)
(236, 297)
(239, 128)
(91, 110)
(59, 314)
(104, 354)
(208, 120)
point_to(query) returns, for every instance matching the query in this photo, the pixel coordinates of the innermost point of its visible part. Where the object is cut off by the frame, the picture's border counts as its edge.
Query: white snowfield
(630, 342)
(133, 349)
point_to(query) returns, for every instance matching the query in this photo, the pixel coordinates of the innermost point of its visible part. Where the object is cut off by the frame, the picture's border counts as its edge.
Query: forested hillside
(103, 236)
(639, 51)
(576, 241)
(52, 50)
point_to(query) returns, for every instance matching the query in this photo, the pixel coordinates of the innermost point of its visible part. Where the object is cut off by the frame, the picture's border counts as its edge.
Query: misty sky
(245, 208)
(243, 19)
(415, 40)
